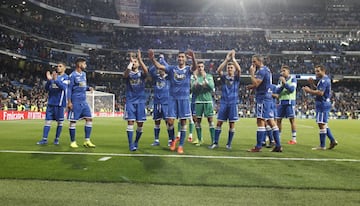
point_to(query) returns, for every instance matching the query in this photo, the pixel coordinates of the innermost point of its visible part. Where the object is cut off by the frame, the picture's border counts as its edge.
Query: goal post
(102, 104)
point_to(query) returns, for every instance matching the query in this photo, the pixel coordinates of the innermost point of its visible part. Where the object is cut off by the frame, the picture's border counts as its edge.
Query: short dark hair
(258, 57)
(80, 59)
(322, 67)
(285, 67)
(63, 63)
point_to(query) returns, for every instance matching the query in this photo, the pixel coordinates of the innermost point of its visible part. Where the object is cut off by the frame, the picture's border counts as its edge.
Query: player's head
(200, 67)
(135, 63)
(230, 67)
(285, 71)
(257, 61)
(61, 67)
(320, 71)
(81, 63)
(181, 59)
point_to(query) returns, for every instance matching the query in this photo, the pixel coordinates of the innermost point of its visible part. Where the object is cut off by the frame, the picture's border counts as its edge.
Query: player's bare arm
(236, 64)
(143, 66)
(154, 61)
(130, 65)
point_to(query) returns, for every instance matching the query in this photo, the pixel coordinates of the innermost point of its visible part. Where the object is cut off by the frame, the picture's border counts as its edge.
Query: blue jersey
(324, 85)
(263, 91)
(57, 90)
(135, 87)
(161, 86)
(273, 88)
(229, 89)
(77, 87)
(179, 81)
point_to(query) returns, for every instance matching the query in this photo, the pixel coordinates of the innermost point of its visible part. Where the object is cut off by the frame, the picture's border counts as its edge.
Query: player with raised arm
(57, 86)
(229, 98)
(322, 91)
(179, 106)
(261, 80)
(135, 98)
(78, 108)
(161, 86)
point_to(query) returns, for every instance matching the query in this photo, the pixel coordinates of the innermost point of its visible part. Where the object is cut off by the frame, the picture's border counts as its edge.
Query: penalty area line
(183, 156)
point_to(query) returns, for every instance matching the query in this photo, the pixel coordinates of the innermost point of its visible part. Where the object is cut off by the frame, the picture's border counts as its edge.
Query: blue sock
(87, 131)
(322, 135)
(130, 136)
(217, 135)
(171, 132)
(156, 132)
(138, 136)
(329, 134)
(276, 136)
(230, 137)
(72, 134)
(58, 132)
(182, 137)
(46, 130)
(260, 134)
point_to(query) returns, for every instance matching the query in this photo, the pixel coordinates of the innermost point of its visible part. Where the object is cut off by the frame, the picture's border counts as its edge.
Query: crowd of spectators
(97, 8)
(262, 14)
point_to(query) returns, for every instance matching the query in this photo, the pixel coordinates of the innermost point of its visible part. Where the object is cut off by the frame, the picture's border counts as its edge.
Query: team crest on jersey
(179, 77)
(135, 81)
(160, 84)
(54, 86)
(82, 84)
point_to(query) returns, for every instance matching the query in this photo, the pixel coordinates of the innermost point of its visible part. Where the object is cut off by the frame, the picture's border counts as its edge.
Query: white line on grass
(183, 156)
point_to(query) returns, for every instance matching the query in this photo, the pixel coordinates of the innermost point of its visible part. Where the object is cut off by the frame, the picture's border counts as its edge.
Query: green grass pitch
(59, 175)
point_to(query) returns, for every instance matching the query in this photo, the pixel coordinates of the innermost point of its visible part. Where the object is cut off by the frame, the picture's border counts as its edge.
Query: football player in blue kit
(229, 101)
(135, 98)
(261, 80)
(57, 86)
(179, 103)
(78, 108)
(161, 86)
(322, 92)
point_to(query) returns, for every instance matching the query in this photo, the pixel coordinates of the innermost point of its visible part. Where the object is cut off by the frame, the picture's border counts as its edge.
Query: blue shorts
(228, 112)
(285, 111)
(265, 110)
(79, 111)
(135, 112)
(179, 109)
(160, 111)
(55, 113)
(322, 112)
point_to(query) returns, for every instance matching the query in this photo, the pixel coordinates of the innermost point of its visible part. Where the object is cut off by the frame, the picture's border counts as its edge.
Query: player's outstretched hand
(252, 69)
(54, 75)
(151, 54)
(139, 54)
(48, 75)
(190, 53)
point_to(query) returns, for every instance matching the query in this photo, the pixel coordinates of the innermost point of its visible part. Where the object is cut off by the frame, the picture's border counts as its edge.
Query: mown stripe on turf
(182, 156)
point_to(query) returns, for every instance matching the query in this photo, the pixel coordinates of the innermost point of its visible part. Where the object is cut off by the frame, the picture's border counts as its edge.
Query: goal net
(102, 104)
